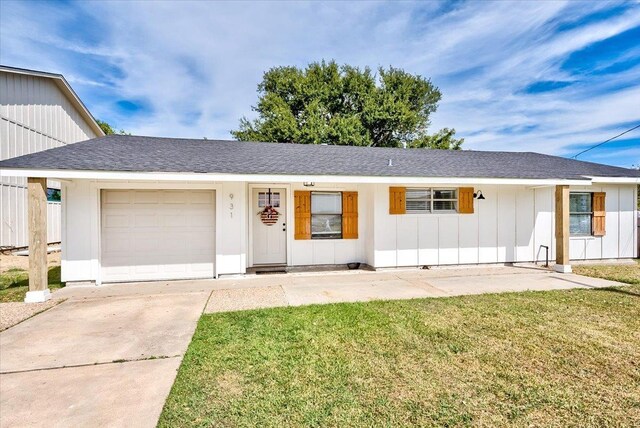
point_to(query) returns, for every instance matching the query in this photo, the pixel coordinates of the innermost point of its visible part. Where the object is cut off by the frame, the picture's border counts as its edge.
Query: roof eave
(615, 180)
(69, 174)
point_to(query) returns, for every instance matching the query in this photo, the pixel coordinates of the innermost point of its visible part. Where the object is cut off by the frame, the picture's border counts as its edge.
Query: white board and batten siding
(620, 224)
(125, 230)
(35, 115)
(334, 251)
(509, 225)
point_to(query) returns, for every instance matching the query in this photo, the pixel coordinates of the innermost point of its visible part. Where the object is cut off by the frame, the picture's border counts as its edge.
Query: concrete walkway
(108, 356)
(359, 286)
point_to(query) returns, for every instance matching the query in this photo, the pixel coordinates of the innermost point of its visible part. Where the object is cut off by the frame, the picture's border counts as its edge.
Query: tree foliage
(346, 105)
(108, 130)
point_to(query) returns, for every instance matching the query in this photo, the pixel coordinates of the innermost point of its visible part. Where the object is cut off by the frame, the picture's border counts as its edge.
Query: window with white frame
(326, 215)
(580, 214)
(431, 200)
(269, 198)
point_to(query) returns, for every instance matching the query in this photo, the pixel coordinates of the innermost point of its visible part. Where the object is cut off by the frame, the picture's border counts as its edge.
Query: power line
(610, 139)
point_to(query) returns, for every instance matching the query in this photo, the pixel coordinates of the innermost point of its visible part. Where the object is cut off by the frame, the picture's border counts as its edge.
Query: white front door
(268, 213)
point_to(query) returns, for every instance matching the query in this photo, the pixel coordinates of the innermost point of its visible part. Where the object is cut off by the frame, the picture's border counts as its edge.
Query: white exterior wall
(34, 115)
(620, 225)
(81, 225)
(509, 225)
(333, 251)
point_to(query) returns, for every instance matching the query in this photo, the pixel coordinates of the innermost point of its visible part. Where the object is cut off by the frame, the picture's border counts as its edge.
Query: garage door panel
(145, 220)
(116, 220)
(173, 220)
(146, 197)
(117, 197)
(200, 269)
(157, 234)
(201, 198)
(174, 197)
(117, 242)
(147, 244)
(201, 221)
(143, 268)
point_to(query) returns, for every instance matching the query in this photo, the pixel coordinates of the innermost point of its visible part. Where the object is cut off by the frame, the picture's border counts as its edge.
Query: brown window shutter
(465, 200)
(599, 214)
(302, 223)
(397, 203)
(349, 215)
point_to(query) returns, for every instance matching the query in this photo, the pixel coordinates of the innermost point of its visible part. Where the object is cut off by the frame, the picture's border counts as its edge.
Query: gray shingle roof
(152, 154)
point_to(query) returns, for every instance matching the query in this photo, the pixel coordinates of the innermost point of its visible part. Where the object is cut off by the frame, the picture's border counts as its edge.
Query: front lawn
(629, 273)
(557, 358)
(14, 283)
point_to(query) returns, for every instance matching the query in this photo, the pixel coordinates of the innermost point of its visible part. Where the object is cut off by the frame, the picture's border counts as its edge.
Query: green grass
(629, 274)
(556, 358)
(14, 283)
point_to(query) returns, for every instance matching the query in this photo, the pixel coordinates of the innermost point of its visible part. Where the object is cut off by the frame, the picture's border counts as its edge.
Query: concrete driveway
(108, 355)
(107, 359)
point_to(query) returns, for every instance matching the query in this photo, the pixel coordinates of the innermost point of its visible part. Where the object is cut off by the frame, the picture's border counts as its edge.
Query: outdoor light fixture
(308, 184)
(478, 195)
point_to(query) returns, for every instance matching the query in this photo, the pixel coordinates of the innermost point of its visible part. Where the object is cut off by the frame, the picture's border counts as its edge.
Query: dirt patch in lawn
(8, 261)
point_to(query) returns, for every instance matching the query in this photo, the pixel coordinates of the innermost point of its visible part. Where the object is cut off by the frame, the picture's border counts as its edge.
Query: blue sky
(548, 76)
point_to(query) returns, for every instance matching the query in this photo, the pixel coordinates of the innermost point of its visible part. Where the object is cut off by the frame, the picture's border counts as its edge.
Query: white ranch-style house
(143, 208)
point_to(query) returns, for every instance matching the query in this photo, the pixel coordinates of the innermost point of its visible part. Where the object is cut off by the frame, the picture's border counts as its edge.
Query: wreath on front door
(269, 215)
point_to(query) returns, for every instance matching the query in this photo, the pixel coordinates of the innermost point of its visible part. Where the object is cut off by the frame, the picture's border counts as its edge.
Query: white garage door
(157, 234)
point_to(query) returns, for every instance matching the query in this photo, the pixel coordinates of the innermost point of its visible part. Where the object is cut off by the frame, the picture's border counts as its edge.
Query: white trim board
(274, 178)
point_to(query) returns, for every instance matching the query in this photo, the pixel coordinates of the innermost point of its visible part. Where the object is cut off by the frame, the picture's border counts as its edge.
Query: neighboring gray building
(38, 111)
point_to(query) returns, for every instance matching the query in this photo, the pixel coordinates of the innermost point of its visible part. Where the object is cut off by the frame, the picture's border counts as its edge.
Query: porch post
(562, 230)
(37, 212)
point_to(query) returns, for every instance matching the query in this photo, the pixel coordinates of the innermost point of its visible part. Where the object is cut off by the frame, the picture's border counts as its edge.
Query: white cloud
(197, 64)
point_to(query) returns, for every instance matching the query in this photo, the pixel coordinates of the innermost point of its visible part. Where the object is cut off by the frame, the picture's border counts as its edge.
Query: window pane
(53, 195)
(417, 205)
(444, 194)
(418, 194)
(444, 205)
(263, 199)
(580, 224)
(275, 199)
(580, 202)
(326, 203)
(326, 226)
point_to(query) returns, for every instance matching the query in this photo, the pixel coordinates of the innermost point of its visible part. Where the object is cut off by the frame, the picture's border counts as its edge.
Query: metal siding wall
(34, 116)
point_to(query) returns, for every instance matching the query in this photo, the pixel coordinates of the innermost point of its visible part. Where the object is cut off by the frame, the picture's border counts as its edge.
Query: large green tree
(345, 105)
